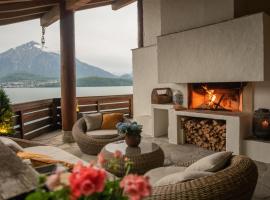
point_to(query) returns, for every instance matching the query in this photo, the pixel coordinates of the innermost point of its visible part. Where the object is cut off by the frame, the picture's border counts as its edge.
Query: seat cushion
(11, 144)
(181, 177)
(55, 153)
(110, 120)
(158, 173)
(93, 121)
(212, 163)
(103, 134)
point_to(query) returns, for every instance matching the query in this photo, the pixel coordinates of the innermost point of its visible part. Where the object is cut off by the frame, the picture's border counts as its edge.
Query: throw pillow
(11, 144)
(181, 177)
(212, 163)
(110, 120)
(93, 121)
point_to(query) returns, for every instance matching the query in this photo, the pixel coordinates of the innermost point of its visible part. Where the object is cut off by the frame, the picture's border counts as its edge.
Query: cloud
(104, 38)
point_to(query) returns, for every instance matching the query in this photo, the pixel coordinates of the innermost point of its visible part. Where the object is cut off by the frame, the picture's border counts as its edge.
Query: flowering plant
(93, 183)
(129, 128)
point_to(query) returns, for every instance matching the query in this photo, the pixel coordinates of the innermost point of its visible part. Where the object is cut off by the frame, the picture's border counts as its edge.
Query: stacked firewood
(206, 133)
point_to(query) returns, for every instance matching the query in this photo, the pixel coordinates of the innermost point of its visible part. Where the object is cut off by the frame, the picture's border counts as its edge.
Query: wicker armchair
(236, 182)
(88, 144)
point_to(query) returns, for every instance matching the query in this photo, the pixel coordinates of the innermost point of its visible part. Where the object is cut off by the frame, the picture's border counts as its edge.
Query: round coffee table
(145, 157)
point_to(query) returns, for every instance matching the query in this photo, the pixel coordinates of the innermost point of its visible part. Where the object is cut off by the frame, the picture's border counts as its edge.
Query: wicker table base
(145, 157)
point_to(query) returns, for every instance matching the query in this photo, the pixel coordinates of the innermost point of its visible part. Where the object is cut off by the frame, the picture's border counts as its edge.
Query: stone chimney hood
(237, 50)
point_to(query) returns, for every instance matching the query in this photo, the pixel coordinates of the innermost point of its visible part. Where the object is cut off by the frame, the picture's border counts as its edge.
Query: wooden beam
(121, 3)
(23, 13)
(54, 14)
(76, 4)
(140, 23)
(21, 19)
(68, 71)
(50, 17)
(12, 7)
(96, 4)
(12, 1)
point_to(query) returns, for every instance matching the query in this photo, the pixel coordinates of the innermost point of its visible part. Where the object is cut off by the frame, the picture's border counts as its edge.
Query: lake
(20, 95)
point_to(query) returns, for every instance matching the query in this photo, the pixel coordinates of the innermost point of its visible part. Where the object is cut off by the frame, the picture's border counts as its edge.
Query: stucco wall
(179, 15)
(145, 79)
(231, 51)
(262, 95)
(152, 21)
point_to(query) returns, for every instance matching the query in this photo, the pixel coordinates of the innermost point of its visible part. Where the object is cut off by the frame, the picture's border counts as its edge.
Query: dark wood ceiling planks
(13, 11)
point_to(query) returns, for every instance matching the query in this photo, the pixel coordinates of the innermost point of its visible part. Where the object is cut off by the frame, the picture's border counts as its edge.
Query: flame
(265, 123)
(211, 95)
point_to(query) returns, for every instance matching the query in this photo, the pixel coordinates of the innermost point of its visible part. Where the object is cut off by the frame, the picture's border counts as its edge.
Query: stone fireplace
(218, 60)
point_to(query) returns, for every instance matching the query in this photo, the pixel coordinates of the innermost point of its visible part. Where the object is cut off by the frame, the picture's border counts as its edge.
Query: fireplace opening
(216, 96)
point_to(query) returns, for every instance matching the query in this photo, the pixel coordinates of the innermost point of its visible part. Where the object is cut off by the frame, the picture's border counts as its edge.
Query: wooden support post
(140, 23)
(68, 71)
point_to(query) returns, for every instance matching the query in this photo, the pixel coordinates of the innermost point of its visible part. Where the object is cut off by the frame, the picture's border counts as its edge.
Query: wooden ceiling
(13, 11)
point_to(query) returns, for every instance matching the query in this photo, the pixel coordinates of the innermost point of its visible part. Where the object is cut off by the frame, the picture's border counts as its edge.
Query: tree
(6, 114)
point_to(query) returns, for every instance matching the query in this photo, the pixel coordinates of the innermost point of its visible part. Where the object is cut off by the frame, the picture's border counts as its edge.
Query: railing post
(131, 107)
(98, 105)
(21, 123)
(55, 104)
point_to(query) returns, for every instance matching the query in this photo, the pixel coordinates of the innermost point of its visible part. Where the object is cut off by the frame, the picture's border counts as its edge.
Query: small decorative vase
(133, 140)
(177, 98)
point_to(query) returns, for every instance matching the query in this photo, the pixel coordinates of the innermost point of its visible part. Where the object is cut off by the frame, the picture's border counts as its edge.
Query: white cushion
(55, 153)
(11, 144)
(212, 163)
(158, 173)
(103, 134)
(182, 177)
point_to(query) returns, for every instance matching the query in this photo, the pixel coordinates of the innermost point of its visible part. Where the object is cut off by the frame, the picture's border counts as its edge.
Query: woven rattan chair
(235, 182)
(88, 144)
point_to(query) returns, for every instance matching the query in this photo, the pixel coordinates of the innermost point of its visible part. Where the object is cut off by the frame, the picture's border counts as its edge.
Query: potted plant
(132, 132)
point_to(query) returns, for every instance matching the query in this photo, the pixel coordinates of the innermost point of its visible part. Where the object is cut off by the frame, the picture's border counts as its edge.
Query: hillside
(23, 77)
(98, 81)
(30, 58)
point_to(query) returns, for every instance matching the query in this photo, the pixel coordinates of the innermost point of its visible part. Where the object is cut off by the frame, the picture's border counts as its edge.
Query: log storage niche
(205, 133)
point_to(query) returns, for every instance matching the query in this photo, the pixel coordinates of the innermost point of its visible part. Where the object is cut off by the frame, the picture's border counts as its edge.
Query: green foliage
(6, 122)
(99, 81)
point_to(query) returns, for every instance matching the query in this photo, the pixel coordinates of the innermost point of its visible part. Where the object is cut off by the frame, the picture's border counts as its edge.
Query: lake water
(20, 95)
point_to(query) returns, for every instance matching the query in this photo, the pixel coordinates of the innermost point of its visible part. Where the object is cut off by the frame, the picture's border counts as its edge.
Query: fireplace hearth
(216, 96)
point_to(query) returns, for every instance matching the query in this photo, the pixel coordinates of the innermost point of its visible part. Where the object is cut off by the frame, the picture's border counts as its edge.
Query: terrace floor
(174, 154)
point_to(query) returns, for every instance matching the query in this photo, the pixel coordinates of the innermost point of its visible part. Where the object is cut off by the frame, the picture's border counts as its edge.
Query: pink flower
(86, 180)
(136, 187)
(101, 160)
(53, 181)
(117, 154)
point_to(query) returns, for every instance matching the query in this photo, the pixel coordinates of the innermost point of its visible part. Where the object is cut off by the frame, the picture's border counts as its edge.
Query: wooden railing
(35, 118)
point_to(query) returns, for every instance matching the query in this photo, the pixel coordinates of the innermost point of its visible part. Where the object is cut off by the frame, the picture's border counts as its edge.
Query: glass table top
(143, 148)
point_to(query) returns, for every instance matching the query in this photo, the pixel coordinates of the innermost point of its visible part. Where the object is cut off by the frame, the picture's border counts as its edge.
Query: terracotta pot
(133, 140)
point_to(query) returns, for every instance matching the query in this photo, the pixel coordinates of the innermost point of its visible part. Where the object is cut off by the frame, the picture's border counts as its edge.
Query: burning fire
(211, 95)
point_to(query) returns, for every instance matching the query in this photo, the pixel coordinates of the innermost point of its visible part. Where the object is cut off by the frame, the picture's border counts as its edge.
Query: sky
(104, 38)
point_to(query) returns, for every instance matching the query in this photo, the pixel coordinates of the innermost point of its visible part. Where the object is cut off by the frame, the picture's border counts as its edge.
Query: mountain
(29, 58)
